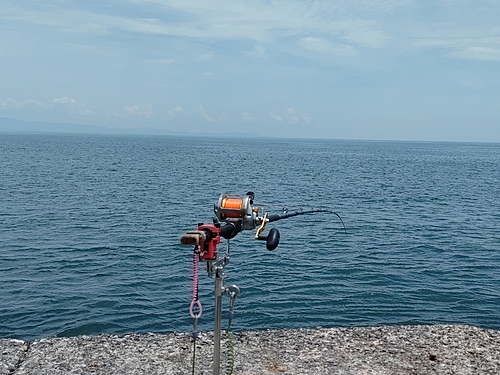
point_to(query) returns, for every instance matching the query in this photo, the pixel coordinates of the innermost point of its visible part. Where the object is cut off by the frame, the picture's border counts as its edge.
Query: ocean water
(90, 227)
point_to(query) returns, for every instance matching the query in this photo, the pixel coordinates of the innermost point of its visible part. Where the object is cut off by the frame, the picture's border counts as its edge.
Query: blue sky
(358, 69)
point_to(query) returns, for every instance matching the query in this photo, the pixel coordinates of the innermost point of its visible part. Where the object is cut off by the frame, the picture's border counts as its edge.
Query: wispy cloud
(275, 116)
(323, 45)
(64, 103)
(479, 53)
(142, 110)
(320, 26)
(247, 118)
(290, 117)
(32, 104)
(206, 56)
(177, 111)
(205, 115)
(71, 105)
(258, 52)
(165, 61)
(464, 43)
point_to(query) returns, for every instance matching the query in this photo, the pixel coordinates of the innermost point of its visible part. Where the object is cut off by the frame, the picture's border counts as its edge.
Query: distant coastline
(10, 125)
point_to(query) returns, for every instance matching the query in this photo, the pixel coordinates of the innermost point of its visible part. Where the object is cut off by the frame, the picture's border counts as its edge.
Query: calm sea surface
(90, 227)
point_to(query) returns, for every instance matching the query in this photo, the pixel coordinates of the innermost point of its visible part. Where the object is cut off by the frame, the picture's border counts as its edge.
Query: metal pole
(219, 280)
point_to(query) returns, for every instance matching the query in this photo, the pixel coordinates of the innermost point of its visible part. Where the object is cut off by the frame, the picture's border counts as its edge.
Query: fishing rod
(233, 214)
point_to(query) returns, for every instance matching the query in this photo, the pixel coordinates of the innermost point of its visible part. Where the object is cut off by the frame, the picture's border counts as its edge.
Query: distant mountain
(13, 125)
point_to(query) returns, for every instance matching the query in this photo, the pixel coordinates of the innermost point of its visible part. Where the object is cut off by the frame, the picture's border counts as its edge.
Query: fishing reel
(231, 208)
(238, 213)
(233, 215)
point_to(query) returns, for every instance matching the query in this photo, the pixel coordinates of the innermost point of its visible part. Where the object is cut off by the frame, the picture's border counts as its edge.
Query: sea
(90, 228)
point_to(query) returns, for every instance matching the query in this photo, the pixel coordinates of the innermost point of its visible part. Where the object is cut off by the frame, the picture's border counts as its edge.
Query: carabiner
(233, 292)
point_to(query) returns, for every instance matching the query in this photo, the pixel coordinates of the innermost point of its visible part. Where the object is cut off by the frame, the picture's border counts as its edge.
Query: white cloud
(145, 110)
(219, 20)
(222, 117)
(205, 115)
(71, 105)
(206, 56)
(65, 103)
(165, 61)
(479, 53)
(246, 117)
(177, 111)
(372, 37)
(324, 46)
(467, 44)
(291, 116)
(258, 52)
(275, 116)
(263, 21)
(32, 104)
(321, 26)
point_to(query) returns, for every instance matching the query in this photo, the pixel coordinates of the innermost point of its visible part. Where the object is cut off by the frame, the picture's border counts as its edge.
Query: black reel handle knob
(272, 239)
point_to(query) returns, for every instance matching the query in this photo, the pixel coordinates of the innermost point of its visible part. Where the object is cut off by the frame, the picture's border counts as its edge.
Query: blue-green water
(90, 227)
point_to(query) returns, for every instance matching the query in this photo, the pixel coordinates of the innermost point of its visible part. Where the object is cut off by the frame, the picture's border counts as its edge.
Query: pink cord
(195, 289)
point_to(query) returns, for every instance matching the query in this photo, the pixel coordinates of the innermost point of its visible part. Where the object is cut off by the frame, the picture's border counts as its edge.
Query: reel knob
(272, 239)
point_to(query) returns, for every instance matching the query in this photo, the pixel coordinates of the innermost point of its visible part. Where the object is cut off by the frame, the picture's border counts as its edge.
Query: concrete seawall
(435, 349)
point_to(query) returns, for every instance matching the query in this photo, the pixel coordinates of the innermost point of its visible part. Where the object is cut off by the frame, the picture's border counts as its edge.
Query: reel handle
(272, 239)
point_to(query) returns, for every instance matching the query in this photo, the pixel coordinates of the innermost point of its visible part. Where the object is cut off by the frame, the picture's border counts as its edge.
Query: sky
(424, 70)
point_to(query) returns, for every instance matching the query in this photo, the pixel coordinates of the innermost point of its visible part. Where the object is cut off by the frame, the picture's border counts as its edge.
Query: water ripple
(90, 228)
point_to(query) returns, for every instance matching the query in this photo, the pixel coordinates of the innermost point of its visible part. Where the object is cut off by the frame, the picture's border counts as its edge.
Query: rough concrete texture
(438, 349)
(12, 355)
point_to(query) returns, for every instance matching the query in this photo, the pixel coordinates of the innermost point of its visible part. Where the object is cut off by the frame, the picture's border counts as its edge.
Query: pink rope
(195, 300)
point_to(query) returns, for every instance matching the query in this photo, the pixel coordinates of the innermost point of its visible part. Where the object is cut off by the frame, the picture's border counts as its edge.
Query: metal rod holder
(219, 290)
(216, 269)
